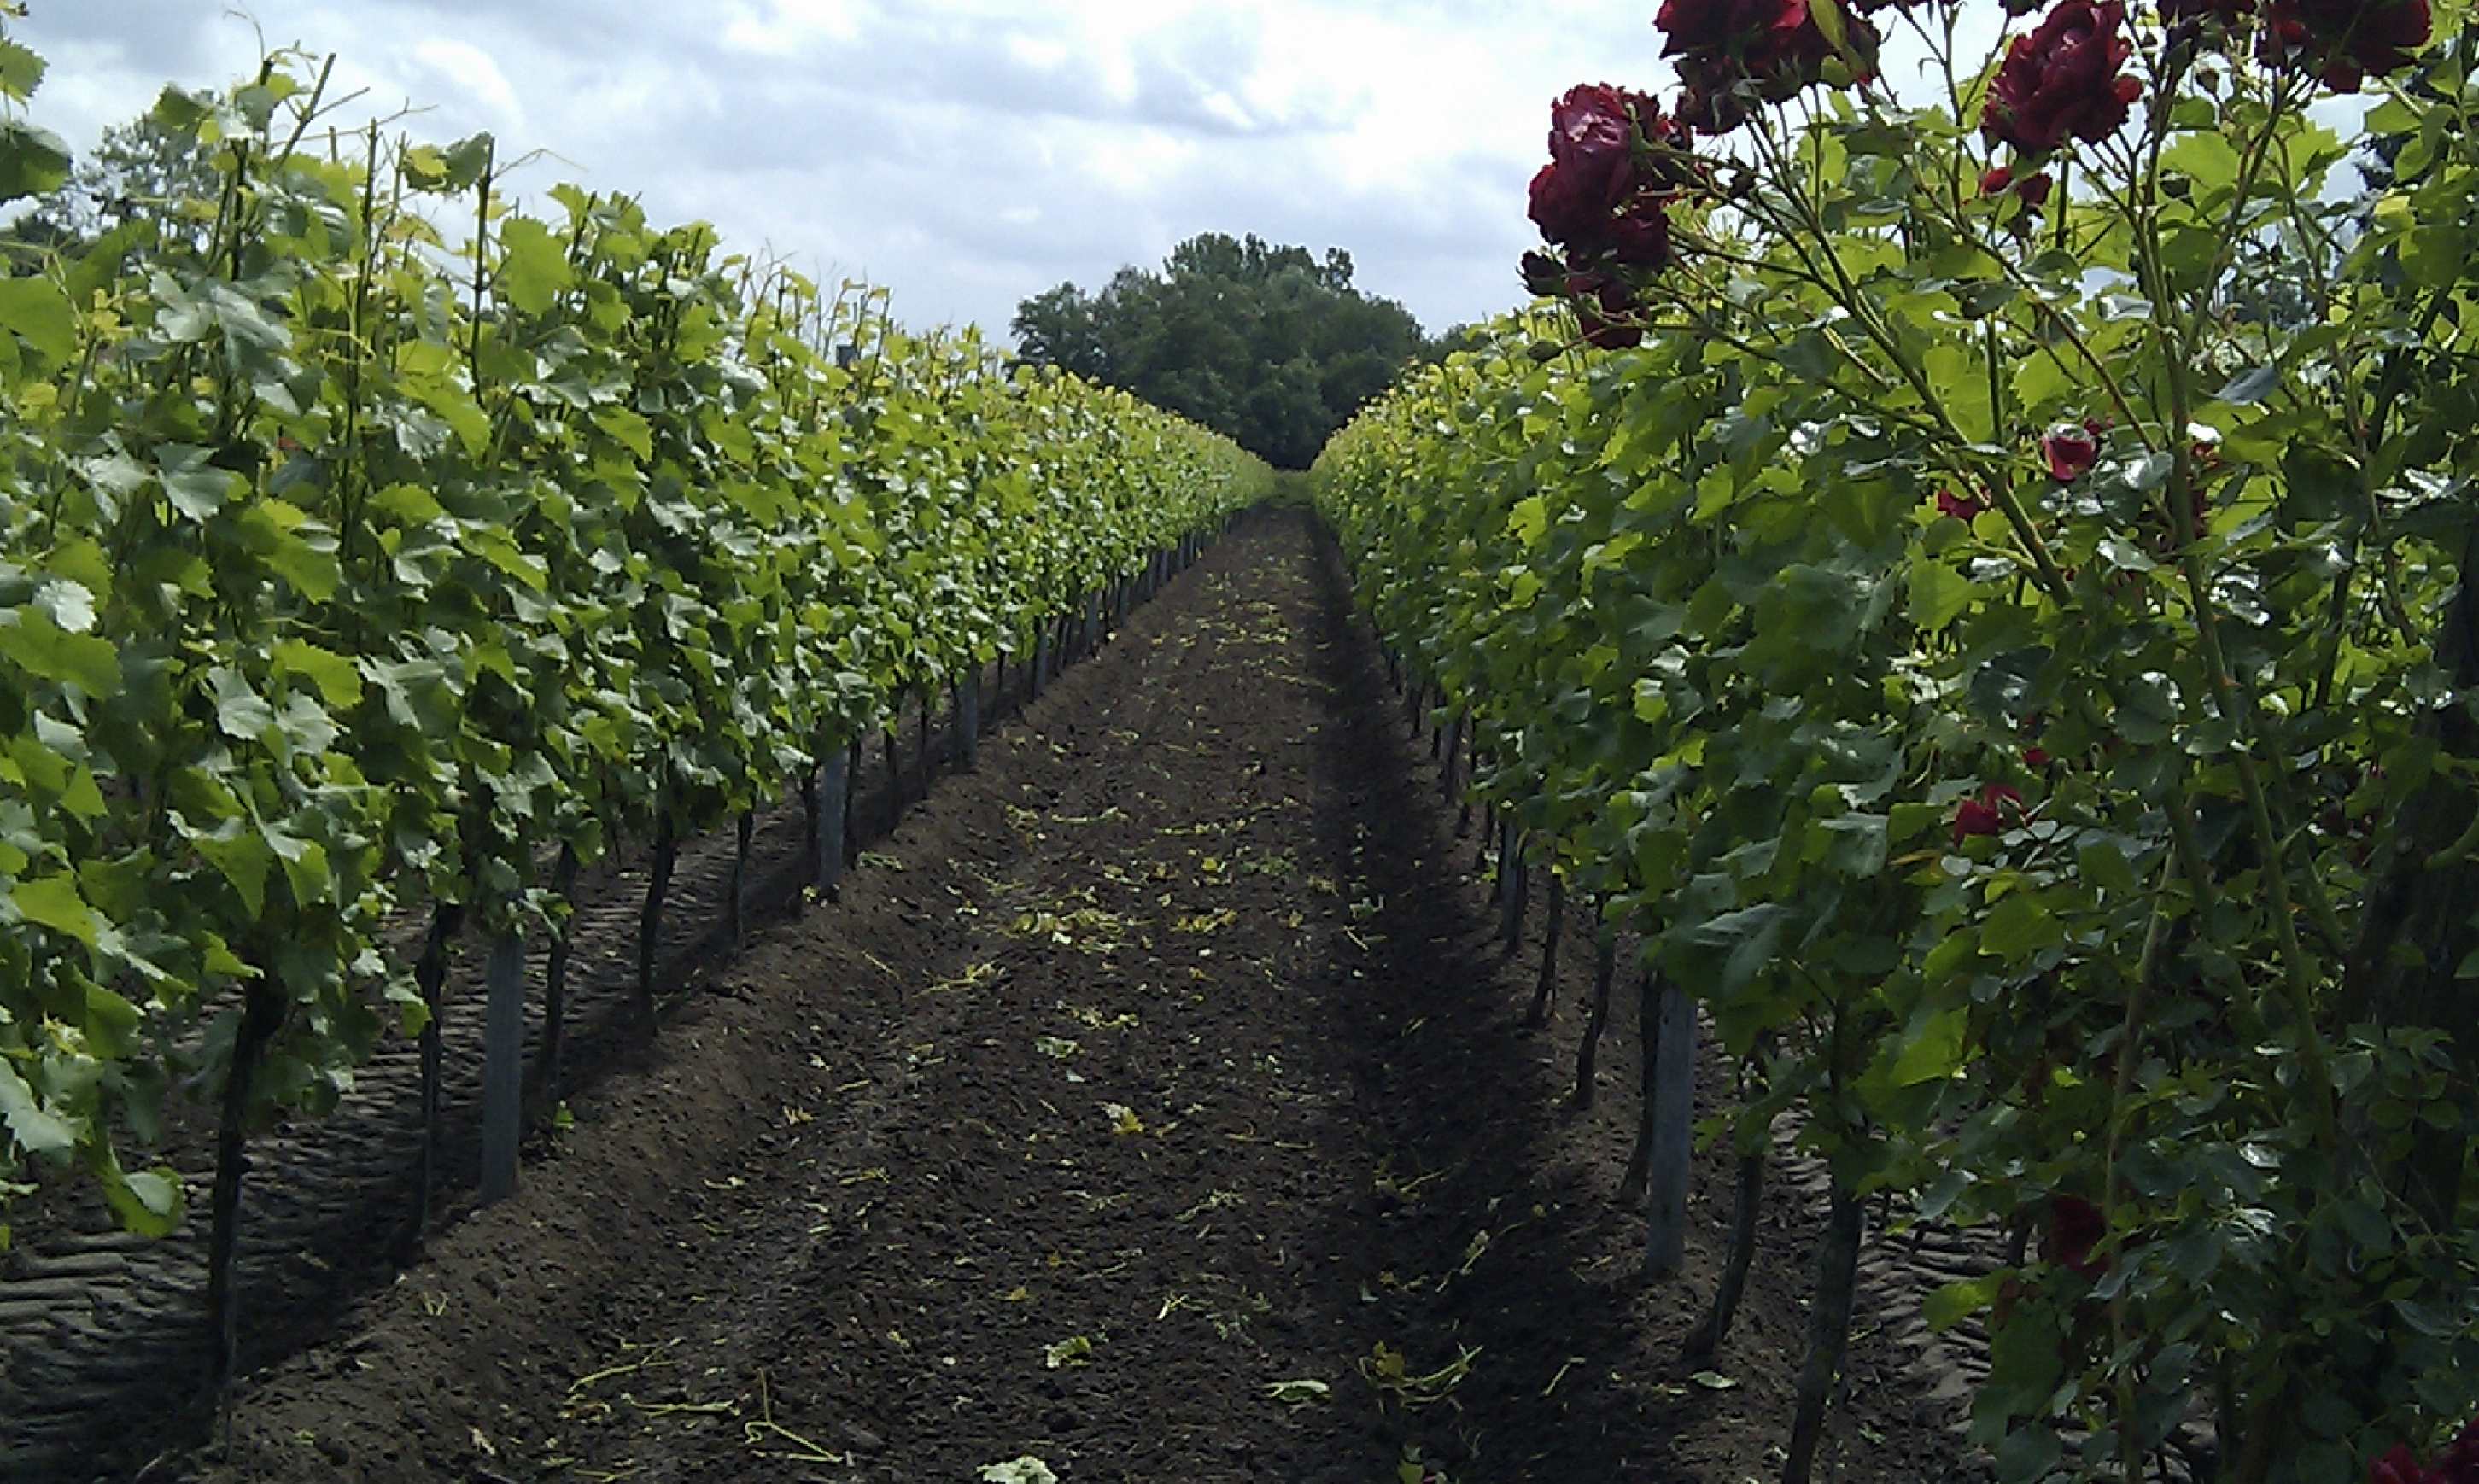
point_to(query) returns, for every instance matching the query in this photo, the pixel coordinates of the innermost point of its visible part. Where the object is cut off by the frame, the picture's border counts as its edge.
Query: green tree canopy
(1269, 344)
(140, 171)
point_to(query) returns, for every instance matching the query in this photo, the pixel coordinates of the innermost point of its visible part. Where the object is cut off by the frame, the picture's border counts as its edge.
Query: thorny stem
(1864, 315)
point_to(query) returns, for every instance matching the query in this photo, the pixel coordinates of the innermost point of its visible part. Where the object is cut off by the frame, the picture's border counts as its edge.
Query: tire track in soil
(832, 1232)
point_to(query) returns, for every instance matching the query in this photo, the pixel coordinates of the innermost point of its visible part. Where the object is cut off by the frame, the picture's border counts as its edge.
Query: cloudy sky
(966, 152)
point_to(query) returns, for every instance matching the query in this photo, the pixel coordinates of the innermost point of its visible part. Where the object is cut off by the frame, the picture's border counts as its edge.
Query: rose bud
(2069, 454)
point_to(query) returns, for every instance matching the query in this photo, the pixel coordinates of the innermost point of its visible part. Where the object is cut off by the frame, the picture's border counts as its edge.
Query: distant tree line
(1269, 344)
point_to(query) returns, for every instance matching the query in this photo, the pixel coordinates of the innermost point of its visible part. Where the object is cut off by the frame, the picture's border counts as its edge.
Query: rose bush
(1756, 619)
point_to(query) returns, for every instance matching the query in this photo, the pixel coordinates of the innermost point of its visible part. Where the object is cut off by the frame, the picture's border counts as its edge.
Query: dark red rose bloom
(2097, 426)
(2036, 758)
(1592, 160)
(1762, 34)
(1772, 47)
(1641, 237)
(1601, 301)
(2063, 80)
(1542, 274)
(2344, 41)
(1615, 163)
(2069, 454)
(1962, 507)
(2076, 1226)
(2032, 189)
(1590, 126)
(1606, 334)
(1570, 207)
(1984, 813)
(2398, 1467)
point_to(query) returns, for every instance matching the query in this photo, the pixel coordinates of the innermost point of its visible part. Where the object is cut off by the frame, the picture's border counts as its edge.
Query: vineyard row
(370, 548)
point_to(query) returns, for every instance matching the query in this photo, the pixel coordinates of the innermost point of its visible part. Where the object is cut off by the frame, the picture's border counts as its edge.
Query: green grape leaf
(1938, 594)
(241, 711)
(149, 1202)
(53, 902)
(1934, 1051)
(195, 487)
(37, 311)
(240, 853)
(70, 605)
(533, 265)
(41, 647)
(337, 681)
(35, 1130)
(1951, 1303)
(32, 162)
(21, 71)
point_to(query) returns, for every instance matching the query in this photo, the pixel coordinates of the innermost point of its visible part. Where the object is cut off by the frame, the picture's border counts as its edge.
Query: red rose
(2076, 1226)
(1962, 507)
(2069, 454)
(1641, 237)
(2398, 1467)
(1600, 299)
(1606, 334)
(1570, 206)
(2036, 758)
(2032, 189)
(2063, 80)
(1774, 47)
(1592, 160)
(1982, 814)
(1762, 34)
(1598, 193)
(2343, 42)
(1589, 127)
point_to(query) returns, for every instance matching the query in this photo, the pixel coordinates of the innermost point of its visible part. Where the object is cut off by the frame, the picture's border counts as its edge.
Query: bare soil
(1154, 1103)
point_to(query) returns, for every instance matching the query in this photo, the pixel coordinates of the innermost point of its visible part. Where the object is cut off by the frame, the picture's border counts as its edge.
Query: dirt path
(1171, 1046)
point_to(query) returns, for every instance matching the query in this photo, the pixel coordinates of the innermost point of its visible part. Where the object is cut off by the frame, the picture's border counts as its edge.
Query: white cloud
(463, 69)
(967, 153)
(789, 28)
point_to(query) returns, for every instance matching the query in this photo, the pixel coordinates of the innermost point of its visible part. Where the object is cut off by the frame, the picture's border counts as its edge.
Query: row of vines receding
(368, 543)
(1978, 568)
